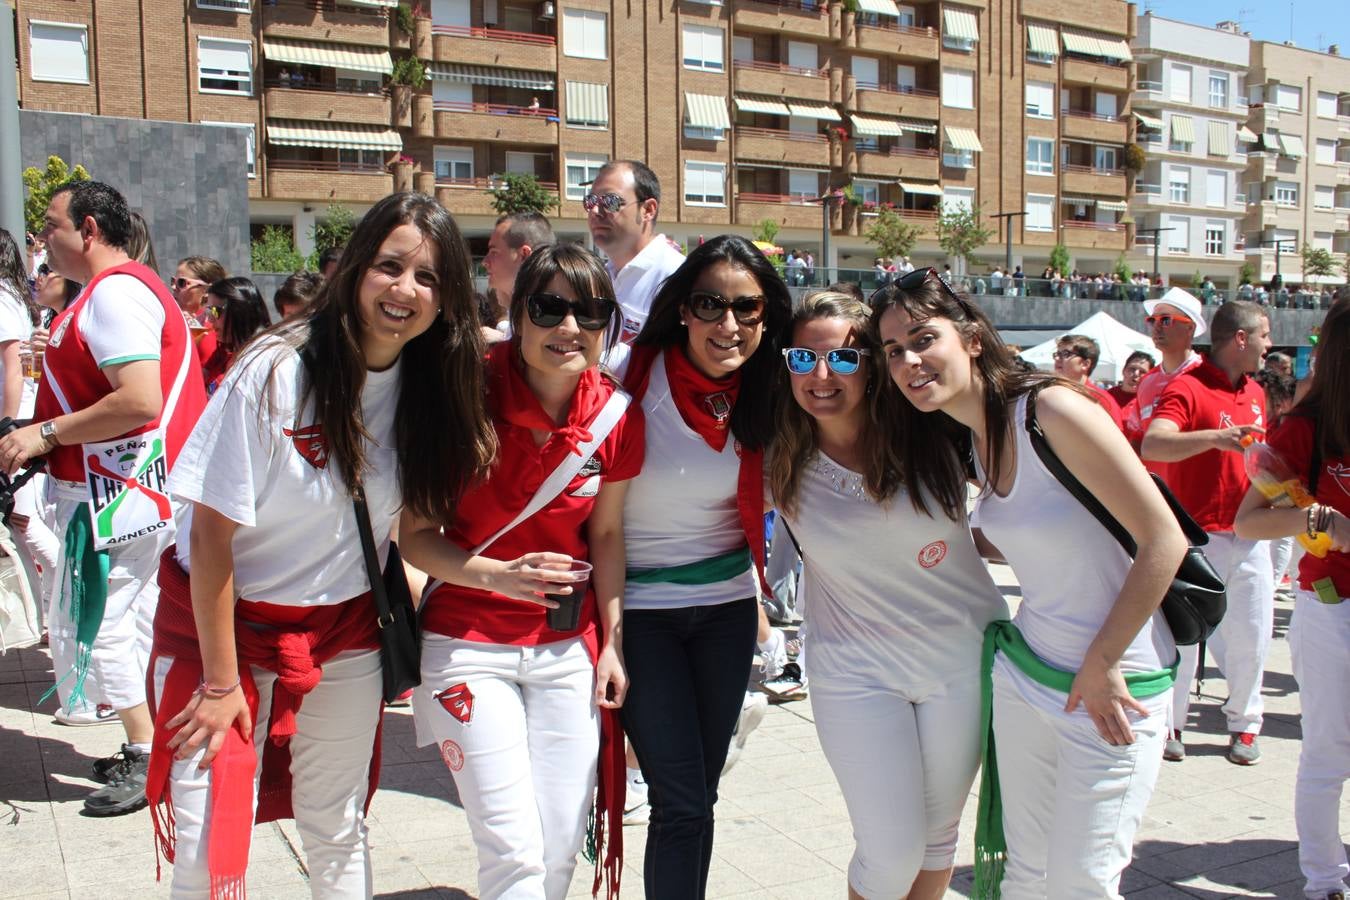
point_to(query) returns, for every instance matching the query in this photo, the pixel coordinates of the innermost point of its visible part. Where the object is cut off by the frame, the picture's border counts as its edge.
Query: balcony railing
(1089, 114)
(1145, 187)
(317, 165)
(483, 184)
(1091, 170)
(820, 7)
(786, 199)
(494, 109)
(906, 89)
(889, 24)
(303, 84)
(1093, 226)
(809, 137)
(495, 34)
(924, 153)
(780, 68)
(374, 12)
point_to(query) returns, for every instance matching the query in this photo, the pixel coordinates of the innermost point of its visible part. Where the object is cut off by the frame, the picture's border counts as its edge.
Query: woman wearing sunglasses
(1082, 676)
(192, 278)
(704, 367)
(512, 689)
(897, 594)
(235, 312)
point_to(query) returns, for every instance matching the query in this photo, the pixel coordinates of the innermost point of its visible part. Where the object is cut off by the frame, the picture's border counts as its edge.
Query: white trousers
(1319, 641)
(1281, 555)
(39, 548)
(122, 649)
(1241, 641)
(330, 775)
(905, 762)
(1071, 801)
(520, 732)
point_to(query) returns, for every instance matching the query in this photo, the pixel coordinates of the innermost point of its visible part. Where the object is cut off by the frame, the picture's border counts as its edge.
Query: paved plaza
(1213, 829)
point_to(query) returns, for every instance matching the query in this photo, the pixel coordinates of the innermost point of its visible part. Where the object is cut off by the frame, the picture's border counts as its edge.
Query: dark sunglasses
(1165, 320)
(215, 311)
(912, 280)
(548, 310)
(708, 306)
(840, 360)
(606, 203)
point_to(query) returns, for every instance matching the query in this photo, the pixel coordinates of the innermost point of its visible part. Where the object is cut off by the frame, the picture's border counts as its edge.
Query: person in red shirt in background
(1137, 365)
(1174, 321)
(1197, 428)
(1314, 439)
(1076, 357)
(192, 278)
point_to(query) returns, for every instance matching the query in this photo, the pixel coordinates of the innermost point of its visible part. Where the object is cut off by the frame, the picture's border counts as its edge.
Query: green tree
(960, 232)
(1059, 259)
(1317, 262)
(1247, 274)
(42, 183)
(410, 71)
(514, 192)
(766, 230)
(1123, 269)
(892, 235)
(1345, 266)
(403, 15)
(275, 251)
(333, 230)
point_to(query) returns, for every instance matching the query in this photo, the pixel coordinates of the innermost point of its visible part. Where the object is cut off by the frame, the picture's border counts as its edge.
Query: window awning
(334, 56)
(1113, 205)
(490, 75)
(762, 105)
(390, 4)
(706, 111)
(587, 102)
(1115, 48)
(1041, 39)
(920, 187)
(1220, 139)
(875, 127)
(332, 135)
(1148, 121)
(1291, 145)
(1078, 201)
(1246, 134)
(1183, 129)
(879, 7)
(960, 24)
(1077, 42)
(964, 139)
(919, 126)
(813, 111)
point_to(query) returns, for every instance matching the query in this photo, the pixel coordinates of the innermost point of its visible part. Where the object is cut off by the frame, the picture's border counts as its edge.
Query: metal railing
(889, 24)
(495, 34)
(906, 89)
(495, 109)
(328, 6)
(1081, 225)
(784, 199)
(319, 87)
(1150, 87)
(921, 152)
(779, 68)
(820, 7)
(810, 137)
(482, 183)
(1089, 114)
(1091, 170)
(319, 165)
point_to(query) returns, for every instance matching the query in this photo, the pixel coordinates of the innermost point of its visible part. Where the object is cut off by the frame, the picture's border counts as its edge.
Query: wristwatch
(47, 431)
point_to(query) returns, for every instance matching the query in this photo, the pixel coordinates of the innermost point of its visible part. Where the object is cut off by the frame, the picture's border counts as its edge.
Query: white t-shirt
(682, 508)
(893, 598)
(122, 321)
(16, 325)
(636, 284)
(297, 544)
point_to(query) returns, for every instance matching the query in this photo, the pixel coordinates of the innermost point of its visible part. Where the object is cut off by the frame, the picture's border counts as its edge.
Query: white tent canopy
(1117, 342)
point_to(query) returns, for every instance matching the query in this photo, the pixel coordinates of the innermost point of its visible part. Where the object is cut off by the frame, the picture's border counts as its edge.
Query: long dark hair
(445, 438)
(244, 314)
(13, 272)
(752, 419)
(927, 440)
(583, 272)
(1328, 399)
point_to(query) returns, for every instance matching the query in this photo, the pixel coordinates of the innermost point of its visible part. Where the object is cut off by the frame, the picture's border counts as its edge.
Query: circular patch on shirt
(933, 554)
(453, 756)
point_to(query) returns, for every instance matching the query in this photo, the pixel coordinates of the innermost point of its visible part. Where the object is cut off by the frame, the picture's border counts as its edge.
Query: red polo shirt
(1210, 485)
(1146, 397)
(1108, 403)
(1293, 439)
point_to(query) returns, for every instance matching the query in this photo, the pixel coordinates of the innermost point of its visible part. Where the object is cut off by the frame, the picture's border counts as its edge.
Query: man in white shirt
(996, 281)
(621, 212)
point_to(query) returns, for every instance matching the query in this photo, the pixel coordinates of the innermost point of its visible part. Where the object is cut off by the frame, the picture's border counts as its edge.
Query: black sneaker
(125, 791)
(103, 768)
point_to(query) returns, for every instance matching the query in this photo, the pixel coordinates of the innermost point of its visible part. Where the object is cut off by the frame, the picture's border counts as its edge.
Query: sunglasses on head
(912, 280)
(708, 306)
(605, 203)
(1166, 320)
(548, 311)
(840, 360)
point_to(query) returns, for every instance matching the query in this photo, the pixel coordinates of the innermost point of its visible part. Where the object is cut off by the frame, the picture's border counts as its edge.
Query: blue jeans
(688, 669)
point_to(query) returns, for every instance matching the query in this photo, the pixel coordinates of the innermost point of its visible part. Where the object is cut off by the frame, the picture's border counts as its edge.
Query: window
(866, 72)
(1179, 185)
(1289, 97)
(868, 191)
(581, 170)
(58, 52)
(520, 163)
(1325, 152)
(958, 89)
(906, 78)
(1324, 197)
(1040, 156)
(250, 143)
(355, 82)
(1105, 105)
(1216, 188)
(1214, 239)
(702, 133)
(226, 5)
(908, 16)
(452, 92)
(1040, 212)
(1286, 193)
(1322, 240)
(584, 33)
(454, 13)
(742, 49)
(1040, 100)
(587, 104)
(957, 159)
(224, 67)
(454, 163)
(1218, 91)
(1181, 84)
(1179, 238)
(958, 198)
(1104, 159)
(703, 47)
(704, 184)
(1326, 105)
(802, 183)
(357, 158)
(803, 55)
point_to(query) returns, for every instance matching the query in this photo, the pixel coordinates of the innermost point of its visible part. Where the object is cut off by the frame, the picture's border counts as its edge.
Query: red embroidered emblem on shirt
(453, 755)
(458, 701)
(1341, 474)
(932, 554)
(310, 443)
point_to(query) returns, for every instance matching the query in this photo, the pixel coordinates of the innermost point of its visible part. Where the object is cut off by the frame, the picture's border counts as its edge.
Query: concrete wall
(189, 181)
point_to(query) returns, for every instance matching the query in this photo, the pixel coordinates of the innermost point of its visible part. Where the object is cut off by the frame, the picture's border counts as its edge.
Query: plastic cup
(567, 616)
(32, 362)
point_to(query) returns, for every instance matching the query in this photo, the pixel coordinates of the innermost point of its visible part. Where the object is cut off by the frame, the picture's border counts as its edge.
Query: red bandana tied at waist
(298, 641)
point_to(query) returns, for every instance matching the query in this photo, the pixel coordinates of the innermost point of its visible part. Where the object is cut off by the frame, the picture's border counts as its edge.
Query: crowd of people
(227, 500)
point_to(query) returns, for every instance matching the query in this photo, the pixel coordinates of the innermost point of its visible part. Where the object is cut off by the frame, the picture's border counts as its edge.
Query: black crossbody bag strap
(377, 591)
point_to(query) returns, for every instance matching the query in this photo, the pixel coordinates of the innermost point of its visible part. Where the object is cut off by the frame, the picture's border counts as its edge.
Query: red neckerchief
(704, 403)
(513, 399)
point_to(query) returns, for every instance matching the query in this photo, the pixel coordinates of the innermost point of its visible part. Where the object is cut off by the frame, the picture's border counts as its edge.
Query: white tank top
(1069, 566)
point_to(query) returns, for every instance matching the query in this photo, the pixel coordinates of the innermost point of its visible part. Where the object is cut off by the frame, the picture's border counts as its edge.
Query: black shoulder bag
(400, 633)
(1197, 598)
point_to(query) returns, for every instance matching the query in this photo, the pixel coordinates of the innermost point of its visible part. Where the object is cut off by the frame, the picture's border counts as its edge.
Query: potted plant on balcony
(1132, 160)
(408, 75)
(402, 24)
(402, 166)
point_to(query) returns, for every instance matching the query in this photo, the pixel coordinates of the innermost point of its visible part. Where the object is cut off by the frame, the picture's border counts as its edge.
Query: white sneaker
(86, 714)
(636, 810)
(752, 713)
(773, 653)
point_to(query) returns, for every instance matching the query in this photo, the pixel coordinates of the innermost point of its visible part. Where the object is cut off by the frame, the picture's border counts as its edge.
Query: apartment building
(747, 110)
(1298, 171)
(1190, 105)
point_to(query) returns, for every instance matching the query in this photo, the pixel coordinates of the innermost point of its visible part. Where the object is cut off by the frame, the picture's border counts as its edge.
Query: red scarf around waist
(295, 644)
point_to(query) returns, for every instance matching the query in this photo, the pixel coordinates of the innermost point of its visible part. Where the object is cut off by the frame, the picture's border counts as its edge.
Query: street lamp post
(1277, 281)
(1007, 228)
(11, 161)
(1156, 232)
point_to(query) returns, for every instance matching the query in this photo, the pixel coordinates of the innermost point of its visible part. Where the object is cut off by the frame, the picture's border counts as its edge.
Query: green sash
(704, 571)
(87, 575)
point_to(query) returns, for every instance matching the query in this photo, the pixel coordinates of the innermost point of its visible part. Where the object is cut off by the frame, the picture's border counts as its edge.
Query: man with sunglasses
(1173, 321)
(1076, 358)
(621, 210)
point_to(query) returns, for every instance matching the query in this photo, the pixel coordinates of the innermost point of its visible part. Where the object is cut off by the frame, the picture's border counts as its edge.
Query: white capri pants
(520, 732)
(905, 761)
(1071, 801)
(122, 649)
(1241, 641)
(1319, 638)
(330, 777)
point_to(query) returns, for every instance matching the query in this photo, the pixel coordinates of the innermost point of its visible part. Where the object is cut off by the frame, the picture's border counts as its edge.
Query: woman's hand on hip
(206, 721)
(1102, 691)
